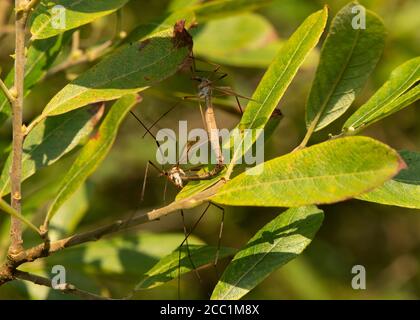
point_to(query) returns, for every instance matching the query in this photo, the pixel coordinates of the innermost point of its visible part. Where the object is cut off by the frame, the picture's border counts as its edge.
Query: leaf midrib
(382, 105)
(98, 84)
(27, 155)
(279, 78)
(221, 192)
(106, 143)
(318, 118)
(234, 285)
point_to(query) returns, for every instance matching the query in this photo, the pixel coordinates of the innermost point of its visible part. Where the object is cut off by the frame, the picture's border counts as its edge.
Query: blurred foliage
(384, 239)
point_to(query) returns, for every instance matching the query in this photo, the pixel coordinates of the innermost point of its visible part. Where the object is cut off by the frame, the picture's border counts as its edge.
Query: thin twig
(65, 288)
(31, 5)
(21, 15)
(6, 92)
(81, 58)
(120, 225)
(75, 43)
(4, 206)
(308, 135)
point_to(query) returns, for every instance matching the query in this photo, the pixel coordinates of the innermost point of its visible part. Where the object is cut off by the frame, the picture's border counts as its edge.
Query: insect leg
(146, 171)
(219, 240)
(188, 248)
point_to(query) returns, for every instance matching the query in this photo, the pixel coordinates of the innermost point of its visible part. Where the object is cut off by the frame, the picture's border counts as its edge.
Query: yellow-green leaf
(279, 76)
(50, 140)
(178, 263)
(398, 92)
(40, 56)
(52, 17)
(130, 69)
(348, 57)
(93, 153)
(249, 40)
(404, 189)
(328, 172)
(274, 245)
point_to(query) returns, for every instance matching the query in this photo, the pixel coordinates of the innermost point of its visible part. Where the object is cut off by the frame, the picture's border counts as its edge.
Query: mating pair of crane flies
(176, 175)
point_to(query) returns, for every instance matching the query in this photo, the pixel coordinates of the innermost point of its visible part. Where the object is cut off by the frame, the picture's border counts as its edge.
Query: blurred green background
(384, 239)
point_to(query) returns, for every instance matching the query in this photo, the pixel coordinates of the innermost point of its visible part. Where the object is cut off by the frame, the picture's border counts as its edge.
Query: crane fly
(179, 176)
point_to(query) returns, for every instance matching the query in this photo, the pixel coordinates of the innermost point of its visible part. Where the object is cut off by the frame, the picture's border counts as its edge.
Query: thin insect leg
(222, 76)
(191, 98)
(229, 91)
(208, 62)
(160, 118)
(188, 247)
(179, 273)
(219, 241)
(182, 243)
(164, 191)
(215, 71)
(144, 126)
(156, 167)
(188, 151)
(194, 65)
(152, 135)
(203, 118)
(144, 182)
(194, 69)
(239, 105)
(195, 224)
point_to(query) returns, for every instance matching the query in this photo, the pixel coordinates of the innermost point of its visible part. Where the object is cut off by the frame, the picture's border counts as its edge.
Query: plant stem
(12, 212)
(7, 92)
(308, 134)
(42, 250)
(16, 245)
(64, 288)
(75, 43)
(31, 5)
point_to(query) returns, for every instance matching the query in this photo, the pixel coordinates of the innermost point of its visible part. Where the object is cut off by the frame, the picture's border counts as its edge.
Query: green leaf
(163, 23)
(328, 172)
(50, 140)
(249, 40)
(224, 8)
(40, 56)
(125, 255)
(347, 59)
(282, 71)
(276, 80)
(195, 187)
(178, 263)
(70, 214)
(93, 153)
(398, 92)
(274, 245)
(176, 5)
(404, 189)
(130, 69)
(188, 10)
(279, 76)
(46, 23)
